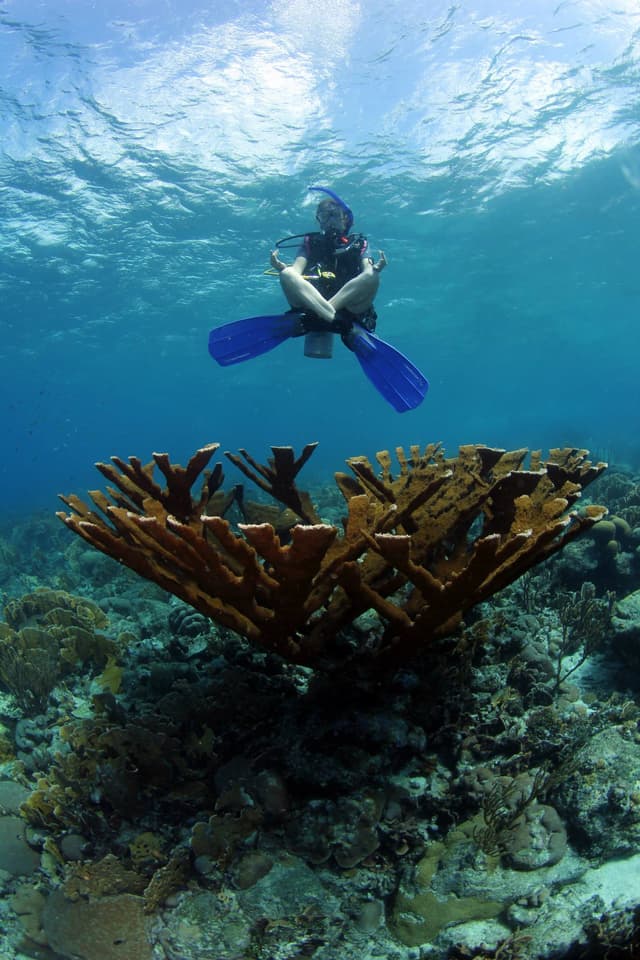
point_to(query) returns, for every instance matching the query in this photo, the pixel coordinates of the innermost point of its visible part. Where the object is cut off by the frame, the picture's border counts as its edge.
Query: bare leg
(300, 293)
(358, 294)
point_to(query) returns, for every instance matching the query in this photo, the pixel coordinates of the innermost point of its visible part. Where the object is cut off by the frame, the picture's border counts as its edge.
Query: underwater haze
(151, 153)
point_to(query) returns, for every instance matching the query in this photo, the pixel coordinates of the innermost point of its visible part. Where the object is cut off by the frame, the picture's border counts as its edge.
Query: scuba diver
(330, 288)
(331, 272)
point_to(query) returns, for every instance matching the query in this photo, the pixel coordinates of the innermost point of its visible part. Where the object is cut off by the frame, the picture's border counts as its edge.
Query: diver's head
(327, 209)
(332, 217)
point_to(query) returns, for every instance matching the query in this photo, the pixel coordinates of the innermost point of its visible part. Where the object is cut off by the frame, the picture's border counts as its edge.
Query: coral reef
(420, 548)
(47, 634)
(205, 795)
(279, 813)
(610, 553)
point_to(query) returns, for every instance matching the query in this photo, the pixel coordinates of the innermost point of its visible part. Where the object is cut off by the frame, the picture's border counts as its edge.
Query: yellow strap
(324, 275)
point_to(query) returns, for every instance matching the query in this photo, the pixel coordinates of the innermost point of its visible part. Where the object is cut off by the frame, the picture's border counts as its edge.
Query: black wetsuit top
(332, 260)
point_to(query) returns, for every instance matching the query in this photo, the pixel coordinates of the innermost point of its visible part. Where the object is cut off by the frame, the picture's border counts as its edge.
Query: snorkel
(336, 199)
(286, 242)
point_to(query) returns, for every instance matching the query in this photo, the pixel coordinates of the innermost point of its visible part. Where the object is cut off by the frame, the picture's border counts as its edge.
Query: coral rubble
(420, 548)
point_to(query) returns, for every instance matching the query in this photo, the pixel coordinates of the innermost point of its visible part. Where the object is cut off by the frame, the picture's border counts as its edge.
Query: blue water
(152, 152)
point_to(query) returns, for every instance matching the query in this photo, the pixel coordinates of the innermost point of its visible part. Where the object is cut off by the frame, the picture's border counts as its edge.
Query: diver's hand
(382, 262)
(276, 262)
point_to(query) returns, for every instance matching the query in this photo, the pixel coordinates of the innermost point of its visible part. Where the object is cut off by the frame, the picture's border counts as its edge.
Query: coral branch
(420, 548)
(137, 484)
(278, 478)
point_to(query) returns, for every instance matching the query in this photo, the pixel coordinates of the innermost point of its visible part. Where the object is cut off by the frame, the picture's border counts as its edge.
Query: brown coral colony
(420, 546)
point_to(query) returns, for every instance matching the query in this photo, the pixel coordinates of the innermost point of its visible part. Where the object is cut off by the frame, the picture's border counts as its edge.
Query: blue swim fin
(391, 373)
(248, 338)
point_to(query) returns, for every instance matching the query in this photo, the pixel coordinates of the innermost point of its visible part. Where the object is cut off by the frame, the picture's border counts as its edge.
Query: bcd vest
(332, 261)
